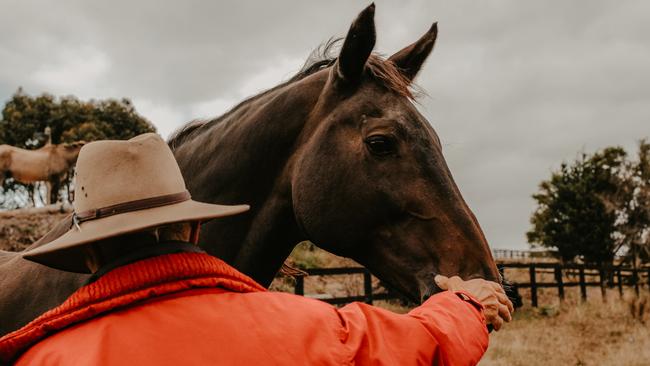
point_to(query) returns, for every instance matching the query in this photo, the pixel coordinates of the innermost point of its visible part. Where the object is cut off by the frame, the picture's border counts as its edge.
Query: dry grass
(593, 333)
(601, 331)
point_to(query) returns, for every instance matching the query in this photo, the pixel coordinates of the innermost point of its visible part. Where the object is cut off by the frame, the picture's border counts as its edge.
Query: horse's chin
(418, 294)
(427, 290)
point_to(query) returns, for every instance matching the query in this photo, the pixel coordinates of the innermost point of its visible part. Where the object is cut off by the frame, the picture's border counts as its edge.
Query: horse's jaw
(414, 283)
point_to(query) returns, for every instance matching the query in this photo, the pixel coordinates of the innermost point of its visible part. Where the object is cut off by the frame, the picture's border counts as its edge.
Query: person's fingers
(455, 282)
(497, 322)
(510, 306)
(442, 281)
(497, 287)
(490, 311)
(490, 316)
(505, 301)
(504, 313)
(490, 308)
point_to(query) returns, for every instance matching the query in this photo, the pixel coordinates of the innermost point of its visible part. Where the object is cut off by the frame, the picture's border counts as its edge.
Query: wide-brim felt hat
(123, 187)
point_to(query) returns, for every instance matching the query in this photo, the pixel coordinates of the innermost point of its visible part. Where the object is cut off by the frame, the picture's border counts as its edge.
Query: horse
(338, 155)
(49, 164)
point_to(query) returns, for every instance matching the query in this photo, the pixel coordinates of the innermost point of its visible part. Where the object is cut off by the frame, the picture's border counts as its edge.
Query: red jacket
(193, 309)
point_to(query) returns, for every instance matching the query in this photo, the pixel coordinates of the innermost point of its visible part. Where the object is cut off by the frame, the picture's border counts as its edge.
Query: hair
(176, 231)
(379, 69)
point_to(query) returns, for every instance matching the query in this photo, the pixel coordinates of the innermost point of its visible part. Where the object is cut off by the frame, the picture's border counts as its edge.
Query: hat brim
(66, 252)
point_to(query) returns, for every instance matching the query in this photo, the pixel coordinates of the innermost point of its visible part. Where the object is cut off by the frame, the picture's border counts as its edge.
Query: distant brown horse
(48, 164)
(338, 155)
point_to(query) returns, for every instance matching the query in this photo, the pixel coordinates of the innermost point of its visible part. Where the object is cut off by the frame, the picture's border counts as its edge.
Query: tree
(25, 119)
(572, 216)
(631, 203)
(641, 203)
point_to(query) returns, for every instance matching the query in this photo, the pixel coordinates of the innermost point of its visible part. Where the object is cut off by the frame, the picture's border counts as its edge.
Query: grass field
(593, 333)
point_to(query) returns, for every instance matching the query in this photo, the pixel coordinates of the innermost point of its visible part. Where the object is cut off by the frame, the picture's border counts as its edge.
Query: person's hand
(496, 305)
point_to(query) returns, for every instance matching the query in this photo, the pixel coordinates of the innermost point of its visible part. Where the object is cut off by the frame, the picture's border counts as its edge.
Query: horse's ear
(357, 46)
(410, 59)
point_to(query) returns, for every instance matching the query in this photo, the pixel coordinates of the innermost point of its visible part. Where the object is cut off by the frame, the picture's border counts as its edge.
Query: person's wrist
(467, 297)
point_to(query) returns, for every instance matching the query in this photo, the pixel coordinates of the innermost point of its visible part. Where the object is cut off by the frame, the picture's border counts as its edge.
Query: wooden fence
(522, 254)
(586, 276)
(368, 295)
(511, 254)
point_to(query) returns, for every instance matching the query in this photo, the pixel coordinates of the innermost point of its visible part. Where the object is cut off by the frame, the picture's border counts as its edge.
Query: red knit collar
(123, 286)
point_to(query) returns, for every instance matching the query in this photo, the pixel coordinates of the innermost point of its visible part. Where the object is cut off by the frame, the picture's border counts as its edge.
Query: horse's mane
(320, 58)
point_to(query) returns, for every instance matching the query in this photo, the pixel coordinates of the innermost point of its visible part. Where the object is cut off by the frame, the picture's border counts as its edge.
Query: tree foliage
(571, 217)
(595, 207)
(632, 205)
(25, 119)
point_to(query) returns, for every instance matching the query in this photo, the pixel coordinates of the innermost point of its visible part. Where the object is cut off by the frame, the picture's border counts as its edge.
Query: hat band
(137, 205)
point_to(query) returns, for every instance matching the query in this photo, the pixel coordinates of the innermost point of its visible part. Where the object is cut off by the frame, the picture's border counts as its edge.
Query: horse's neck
(246, 158)
(49, 159)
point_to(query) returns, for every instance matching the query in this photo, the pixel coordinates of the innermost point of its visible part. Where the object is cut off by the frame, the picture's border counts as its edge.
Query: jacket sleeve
(446, 330)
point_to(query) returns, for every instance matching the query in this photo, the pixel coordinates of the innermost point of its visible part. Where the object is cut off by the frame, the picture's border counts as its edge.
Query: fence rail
(606, 277)
(512, 254)
(368, 295)
(587, 276)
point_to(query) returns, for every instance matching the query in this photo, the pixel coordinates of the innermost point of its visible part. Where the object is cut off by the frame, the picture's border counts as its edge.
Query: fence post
(533, 285)
(583, 285)
(619, 278)
(367, 286)
(560, 283)
(601, 277)
(300, 286)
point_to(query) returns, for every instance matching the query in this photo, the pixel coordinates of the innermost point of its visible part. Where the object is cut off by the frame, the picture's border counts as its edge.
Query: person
(156, 299)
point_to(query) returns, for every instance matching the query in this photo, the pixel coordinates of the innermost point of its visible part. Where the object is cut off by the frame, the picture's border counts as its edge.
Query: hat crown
(113, 172)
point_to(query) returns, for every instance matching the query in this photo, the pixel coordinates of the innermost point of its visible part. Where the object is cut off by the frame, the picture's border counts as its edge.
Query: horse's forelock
(380, 69)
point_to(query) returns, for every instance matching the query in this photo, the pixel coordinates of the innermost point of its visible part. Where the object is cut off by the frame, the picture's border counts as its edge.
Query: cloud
(78, 71)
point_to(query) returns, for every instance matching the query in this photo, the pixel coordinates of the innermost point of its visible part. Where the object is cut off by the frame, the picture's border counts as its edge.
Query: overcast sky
(514, 87)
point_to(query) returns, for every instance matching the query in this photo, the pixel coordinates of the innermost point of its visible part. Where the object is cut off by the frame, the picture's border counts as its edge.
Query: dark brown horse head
(371, 183)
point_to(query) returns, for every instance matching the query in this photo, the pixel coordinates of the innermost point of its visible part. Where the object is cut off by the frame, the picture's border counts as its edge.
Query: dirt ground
(20, 231)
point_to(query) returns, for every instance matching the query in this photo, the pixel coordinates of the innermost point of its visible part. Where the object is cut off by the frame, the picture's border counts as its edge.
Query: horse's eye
(380, 144)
